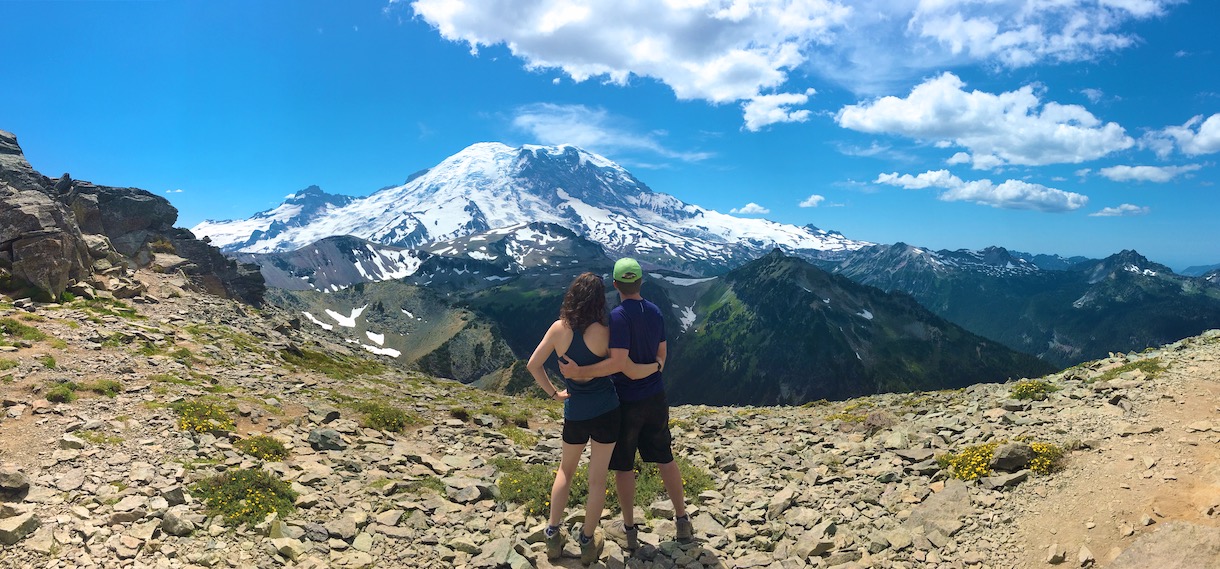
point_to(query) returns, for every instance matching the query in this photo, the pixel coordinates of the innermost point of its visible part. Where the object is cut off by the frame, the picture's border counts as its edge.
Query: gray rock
(1174, 545)
(176, 523)
(14, 484)
(343, 528)
(943, 510)
(326, 439)
(1011, 457)
(15, 528)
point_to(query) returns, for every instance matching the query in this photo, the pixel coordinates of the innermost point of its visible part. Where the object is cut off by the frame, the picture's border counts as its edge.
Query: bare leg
(673, 486)
(562, 487)
(599, 462)
(624, 481)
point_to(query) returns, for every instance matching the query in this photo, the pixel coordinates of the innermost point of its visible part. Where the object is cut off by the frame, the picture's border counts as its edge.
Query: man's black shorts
(645, 428)
(603, 428)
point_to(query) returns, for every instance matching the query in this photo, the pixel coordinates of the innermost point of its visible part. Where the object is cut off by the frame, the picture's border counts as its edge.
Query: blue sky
(1082, 128)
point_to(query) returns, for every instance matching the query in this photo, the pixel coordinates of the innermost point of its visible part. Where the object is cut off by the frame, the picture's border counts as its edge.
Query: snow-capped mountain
(491, 186)
(298, 209)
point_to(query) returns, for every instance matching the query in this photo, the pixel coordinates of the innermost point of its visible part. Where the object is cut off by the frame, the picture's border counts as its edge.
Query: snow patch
(679, 280)
(378, 339)
(865, 314)
(346, 321)
(324, 325)
(382, 351)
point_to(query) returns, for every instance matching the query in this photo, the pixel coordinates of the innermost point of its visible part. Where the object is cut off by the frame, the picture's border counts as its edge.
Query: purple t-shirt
(637, 325)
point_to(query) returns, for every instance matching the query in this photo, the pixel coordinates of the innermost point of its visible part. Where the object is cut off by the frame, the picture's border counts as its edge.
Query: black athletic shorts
(645, 428)
(602, 428)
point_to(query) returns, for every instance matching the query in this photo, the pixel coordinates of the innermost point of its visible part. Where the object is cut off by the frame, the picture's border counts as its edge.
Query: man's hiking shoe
(629, 538)
(591, 550)
(684, 529)
(554, 545)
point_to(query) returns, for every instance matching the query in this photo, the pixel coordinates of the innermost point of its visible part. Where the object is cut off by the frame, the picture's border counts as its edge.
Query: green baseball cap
(627, 270)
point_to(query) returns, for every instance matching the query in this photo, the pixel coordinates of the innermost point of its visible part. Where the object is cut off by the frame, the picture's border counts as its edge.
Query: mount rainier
(491, 185)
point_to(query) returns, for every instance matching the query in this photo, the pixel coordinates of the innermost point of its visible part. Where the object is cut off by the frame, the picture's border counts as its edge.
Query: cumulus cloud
(763, 110)
(725, 51)
(174, 191)
(1010, 194)
(592, 129)
(813, 201)
(1197, 136)
(750, 209)
(1121, 211)
(1014, 127)
(1160, 174)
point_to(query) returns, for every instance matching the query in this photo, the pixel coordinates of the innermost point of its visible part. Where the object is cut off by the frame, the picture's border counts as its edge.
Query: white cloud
(1010, 194)
(742, 50)
(592, 129)
(1197, 136)
(770, 109)
(175, 191)
(1160, 174)
(1121, 211)
(1094, 95)
(750, 209)
(1014, 127)
(813, 201)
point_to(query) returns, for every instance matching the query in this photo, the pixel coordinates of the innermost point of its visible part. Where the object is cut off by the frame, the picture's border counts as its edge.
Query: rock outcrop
(71, 235)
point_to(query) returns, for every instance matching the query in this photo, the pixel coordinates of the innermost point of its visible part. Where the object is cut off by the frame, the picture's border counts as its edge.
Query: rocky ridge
(105, 482)
(64, 235)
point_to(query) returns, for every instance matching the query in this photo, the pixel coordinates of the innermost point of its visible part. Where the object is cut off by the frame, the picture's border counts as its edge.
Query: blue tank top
(591, 398)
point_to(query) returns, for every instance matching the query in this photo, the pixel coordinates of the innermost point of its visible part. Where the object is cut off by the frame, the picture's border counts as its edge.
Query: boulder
(1176, 545)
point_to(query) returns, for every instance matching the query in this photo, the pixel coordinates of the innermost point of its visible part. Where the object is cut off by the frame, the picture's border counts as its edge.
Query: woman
(590, 408)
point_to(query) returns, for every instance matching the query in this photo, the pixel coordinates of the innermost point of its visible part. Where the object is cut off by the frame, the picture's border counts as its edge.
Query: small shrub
(386, 418)
(519, 417)
(161, 245)
(246, 496)
(8, 364)
(1047, 458)
(107, 387)
(529, 485)
(1151, 367)
(427, 483)
(202, 417)
(1032, 389)
(519, 436)
(459, 413)
(263, 447)
(48, 361)
(62, 393)
(65, 297)
(972, 463)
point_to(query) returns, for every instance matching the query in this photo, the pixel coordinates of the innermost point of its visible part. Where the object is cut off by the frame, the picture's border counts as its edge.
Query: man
(637, 334)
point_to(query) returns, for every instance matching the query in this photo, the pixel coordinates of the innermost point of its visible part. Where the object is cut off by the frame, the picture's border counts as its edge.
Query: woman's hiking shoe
(685, 530)
(629, 538)
(590, 548)
(554, 545)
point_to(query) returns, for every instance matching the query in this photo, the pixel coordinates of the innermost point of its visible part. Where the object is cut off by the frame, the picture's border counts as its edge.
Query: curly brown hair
(585, 302)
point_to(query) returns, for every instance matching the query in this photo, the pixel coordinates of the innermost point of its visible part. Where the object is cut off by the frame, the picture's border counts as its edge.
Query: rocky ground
(104, 481)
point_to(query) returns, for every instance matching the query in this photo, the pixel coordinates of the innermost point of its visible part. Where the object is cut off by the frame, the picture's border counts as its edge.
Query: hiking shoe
(629, 538)
(685, 530)
(591, 550)
(554, 545)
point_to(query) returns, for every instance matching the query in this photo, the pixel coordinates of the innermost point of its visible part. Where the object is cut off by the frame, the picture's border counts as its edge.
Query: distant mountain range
(498, 232)
(490, 186)
(1122, 303)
